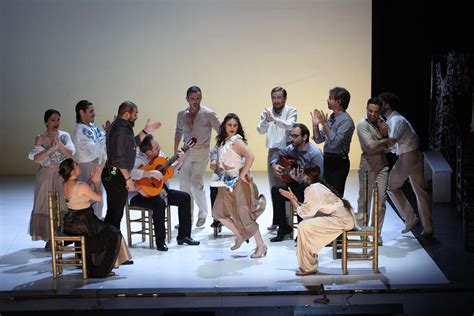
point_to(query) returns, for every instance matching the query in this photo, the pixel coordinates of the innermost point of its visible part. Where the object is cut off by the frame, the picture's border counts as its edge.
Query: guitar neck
(171, 160)
(168, 163)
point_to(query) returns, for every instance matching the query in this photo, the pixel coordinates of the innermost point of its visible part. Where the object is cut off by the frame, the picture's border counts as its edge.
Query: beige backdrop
(56, 52)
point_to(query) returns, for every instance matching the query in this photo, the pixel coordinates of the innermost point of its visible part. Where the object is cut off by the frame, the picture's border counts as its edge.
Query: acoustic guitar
(289, 164)
(150, 187)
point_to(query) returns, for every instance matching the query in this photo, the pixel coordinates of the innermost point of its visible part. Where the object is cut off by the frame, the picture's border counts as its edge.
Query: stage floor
(25, 267)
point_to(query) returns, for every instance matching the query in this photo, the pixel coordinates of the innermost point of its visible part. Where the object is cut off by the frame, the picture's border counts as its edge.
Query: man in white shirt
(89, 141)
(276, 121)
(195, 121)
(409, 165)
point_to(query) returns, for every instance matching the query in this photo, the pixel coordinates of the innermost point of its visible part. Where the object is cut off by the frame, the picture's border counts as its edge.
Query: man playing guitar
(149, 151)
(287, 164)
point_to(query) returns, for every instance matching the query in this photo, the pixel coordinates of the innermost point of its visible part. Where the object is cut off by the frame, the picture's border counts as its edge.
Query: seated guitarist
(149, 150)
(298, 154)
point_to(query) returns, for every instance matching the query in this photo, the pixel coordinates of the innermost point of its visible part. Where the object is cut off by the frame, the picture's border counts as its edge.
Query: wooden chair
(337, 243)
(76, 244)
(144, 217)
(366, 239)
(293, 218)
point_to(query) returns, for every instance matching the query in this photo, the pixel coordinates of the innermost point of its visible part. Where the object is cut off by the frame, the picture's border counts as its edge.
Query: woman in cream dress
(105, 247)
(238, 203)
(51, 148)
(325, 216)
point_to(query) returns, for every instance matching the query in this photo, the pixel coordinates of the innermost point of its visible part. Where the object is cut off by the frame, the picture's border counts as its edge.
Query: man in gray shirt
(336, 133)
(303, 153)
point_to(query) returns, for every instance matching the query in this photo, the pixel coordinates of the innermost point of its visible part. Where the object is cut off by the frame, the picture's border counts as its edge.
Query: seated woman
(105, 247)
(238, 204)
(325, 216)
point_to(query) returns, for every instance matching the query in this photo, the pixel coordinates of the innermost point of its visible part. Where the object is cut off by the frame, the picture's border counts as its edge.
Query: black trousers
(117, 196)
(336, 170)
(177, 198)
(278, 200)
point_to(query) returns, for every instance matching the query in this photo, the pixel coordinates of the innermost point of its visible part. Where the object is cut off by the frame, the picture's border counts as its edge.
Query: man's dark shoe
(187, 240)
(280, 236)
(127, 262)
(216, 224)
(162, 246)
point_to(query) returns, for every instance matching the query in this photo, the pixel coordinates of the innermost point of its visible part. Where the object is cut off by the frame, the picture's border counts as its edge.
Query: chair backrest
(375, 212)
(54, 213)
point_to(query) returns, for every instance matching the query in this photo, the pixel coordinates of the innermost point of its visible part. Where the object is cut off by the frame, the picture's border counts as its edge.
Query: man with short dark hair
(149, 151)
(372, 132)
(409, 165)
(336, 133)
(195, 121)
(302, 153)
(121, 146)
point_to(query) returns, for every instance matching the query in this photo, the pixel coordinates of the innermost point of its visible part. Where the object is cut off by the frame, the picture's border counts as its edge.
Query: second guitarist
(149, 150)
(303, 153)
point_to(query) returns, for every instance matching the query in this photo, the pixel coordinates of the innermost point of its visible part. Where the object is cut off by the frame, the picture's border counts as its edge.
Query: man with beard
(336, 133)
(276, 121)
(121, 150)
(195, 121)
(372, 131)
(303, 153)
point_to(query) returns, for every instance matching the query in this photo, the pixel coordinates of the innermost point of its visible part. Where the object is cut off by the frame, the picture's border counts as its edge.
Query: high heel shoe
(238, 243)
(260, 252)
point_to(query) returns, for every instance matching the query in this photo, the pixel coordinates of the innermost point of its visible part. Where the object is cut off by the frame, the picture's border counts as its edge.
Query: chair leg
(344, 253)
(143, 226)
(53, 255)
(291, 220)
(129, 226)
(375, 258)
(334, 249)
(83, 256)
(150, 228)
(168, 223)
(60, 257)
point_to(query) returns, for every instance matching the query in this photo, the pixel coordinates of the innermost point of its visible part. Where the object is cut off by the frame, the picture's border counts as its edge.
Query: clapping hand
(107, 124)
(268, 115)
(318, 117)
(151, 126)
(289, 195)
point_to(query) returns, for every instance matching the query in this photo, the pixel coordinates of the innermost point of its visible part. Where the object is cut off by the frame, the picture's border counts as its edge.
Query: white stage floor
(210, 267)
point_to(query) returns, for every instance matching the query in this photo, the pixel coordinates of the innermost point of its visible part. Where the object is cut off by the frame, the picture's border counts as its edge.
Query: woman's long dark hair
(221, 137)
(313, 173)
(65, 168)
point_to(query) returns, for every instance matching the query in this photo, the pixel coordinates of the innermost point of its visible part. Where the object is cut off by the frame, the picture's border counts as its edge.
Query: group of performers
(312, 180)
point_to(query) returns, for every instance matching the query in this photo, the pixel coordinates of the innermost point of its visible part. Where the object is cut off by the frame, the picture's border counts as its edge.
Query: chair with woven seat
(337, 243)
(144, 217)
(364, 238)
(74, 247)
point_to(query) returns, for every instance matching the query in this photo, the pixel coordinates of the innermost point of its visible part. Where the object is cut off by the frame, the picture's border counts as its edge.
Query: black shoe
(216, 224)
(187, 240)
(127, 262)
(280, 237)
(162, 246)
